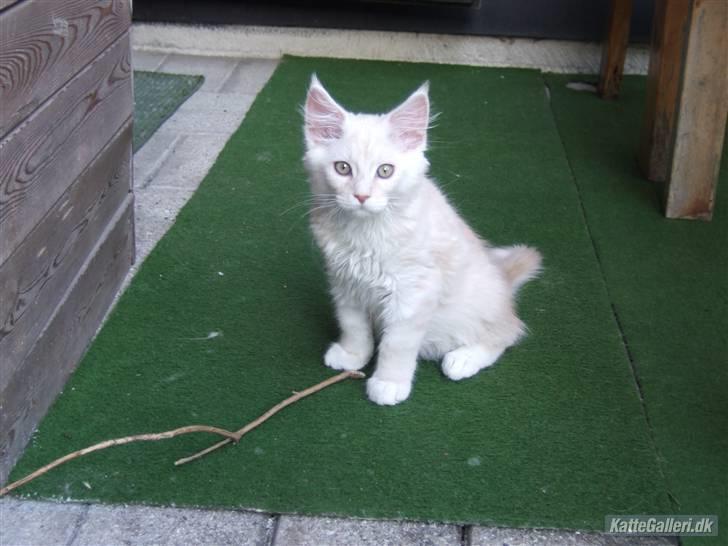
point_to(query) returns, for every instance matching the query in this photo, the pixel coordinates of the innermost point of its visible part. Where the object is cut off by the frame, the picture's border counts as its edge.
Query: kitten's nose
(361, 198)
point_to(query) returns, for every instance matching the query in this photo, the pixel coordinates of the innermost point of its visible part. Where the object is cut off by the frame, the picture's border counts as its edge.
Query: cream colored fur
(407, 274)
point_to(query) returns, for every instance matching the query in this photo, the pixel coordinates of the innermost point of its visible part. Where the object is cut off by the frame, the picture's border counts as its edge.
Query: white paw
(467, 361)
(339, 358)
(388, 393)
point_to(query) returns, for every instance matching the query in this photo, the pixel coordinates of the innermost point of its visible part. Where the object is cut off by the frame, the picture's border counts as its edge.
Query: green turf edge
(668, 280)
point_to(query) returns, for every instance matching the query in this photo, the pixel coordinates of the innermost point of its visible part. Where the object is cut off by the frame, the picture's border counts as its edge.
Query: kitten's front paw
(387, 393)
(339, 358)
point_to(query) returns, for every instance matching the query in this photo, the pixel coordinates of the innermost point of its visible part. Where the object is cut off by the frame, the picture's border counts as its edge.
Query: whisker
(311, 200)
(319, 207)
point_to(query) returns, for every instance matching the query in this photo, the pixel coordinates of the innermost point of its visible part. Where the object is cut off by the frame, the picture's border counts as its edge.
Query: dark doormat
(156, 97)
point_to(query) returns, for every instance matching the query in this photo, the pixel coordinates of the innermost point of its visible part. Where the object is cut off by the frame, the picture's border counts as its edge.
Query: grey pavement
(170, 166)
(33, 523)
(167, 171)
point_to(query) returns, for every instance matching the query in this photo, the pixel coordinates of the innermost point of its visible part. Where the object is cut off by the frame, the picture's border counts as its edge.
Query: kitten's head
(365, 163)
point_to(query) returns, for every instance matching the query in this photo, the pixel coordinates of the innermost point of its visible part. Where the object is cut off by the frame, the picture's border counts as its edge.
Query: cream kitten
(400, 260)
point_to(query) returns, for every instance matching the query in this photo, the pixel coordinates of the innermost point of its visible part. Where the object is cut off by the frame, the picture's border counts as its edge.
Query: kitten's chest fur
(367, 260)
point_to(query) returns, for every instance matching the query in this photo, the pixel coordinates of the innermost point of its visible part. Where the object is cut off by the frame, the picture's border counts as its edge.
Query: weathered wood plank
(46, 153)
(669, 36)
(614, 50)
(7, 3)
(702, 114)
(36, 276)
(56, 353)
(44, 44)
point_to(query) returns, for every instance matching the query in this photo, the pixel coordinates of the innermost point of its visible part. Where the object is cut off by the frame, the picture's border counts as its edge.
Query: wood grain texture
(702, 114)
(44, 155)
(614, 50)
(44, 44)
(37, 275)
(7, 3)
(667, 47)
(55, 354)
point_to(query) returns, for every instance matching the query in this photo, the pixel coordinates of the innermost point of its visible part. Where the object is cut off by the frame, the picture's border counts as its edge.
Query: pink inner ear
(409, 122)
(324, 118)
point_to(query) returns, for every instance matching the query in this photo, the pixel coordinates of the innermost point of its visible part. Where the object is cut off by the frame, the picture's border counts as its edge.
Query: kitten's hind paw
(388, 393)
(339, 358)
(467, 361)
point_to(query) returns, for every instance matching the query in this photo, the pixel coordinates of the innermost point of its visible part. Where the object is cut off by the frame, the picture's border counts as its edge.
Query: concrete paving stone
(216, 70)
(496, 536)
(161, 203)
(249, 76)
(309, 531)
(207, 112)
(143, 247)
(149, 158)
(565, 56)
(145, 60)
(112, 525)
(188, 161)
(31, 523)
(156, 210)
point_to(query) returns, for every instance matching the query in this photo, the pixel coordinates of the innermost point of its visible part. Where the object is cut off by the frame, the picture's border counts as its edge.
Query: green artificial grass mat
(668, 281)
(554, 435)
(156, 97)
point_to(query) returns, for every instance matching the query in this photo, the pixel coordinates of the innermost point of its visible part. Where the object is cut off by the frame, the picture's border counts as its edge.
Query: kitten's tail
(519, 262)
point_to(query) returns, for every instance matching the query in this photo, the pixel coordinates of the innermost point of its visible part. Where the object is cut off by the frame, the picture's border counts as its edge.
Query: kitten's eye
(385, 171)
(343, 168)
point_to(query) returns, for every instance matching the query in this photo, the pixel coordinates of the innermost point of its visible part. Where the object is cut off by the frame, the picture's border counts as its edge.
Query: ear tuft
(410, 120)
(324, 118)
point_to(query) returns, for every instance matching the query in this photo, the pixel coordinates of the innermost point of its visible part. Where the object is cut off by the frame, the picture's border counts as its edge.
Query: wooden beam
(670, 26)
(38, 273)
(44, 44)
(56, 352)
(7, 3)
(614, 50)
(66, 200)
(46, 153)
(702, 113)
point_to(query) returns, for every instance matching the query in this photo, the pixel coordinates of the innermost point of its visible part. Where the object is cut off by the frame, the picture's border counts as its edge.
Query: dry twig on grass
(268, 414)
(229, 436)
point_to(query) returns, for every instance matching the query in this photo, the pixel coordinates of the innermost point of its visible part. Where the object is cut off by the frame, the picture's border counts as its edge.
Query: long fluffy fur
(520, 263)
(403, 267)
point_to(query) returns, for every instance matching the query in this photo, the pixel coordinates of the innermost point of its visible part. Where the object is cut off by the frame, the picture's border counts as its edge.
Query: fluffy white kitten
(400, 260)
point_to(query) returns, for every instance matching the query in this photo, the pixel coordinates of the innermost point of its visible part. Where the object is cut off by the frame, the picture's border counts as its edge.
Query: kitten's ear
(324, 119)
(410, 120)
